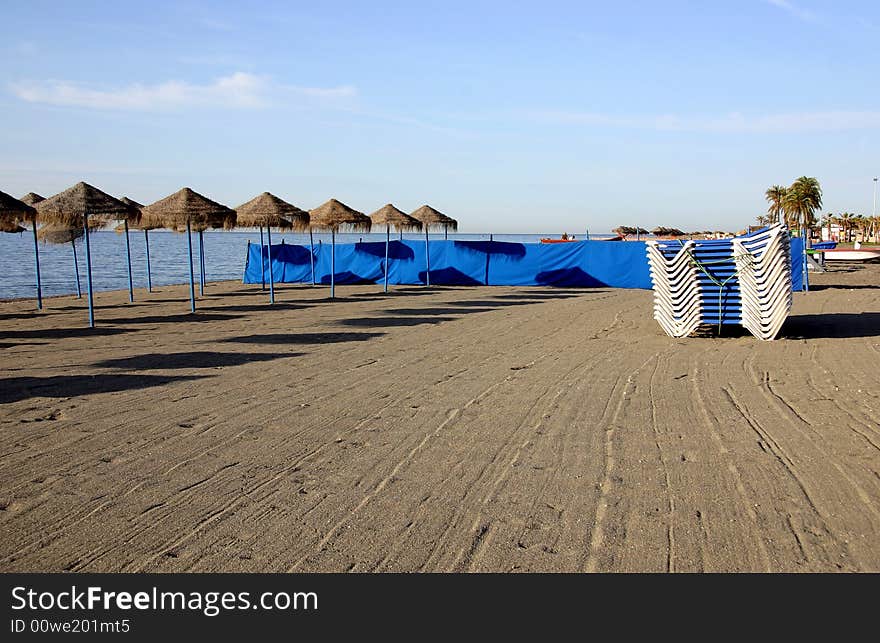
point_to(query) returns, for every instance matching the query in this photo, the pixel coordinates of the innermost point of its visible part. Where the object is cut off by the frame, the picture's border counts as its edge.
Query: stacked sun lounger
(742, 281)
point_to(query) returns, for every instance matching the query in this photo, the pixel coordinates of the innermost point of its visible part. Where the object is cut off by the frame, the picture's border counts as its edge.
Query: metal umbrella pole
(271, 276)
(89, 271)
(76, 269)
(201, 275)
(427, 259)
(192, 277)
(37, 265)
(332, 263)
(202, 260)
(387, 242)
(312, 255)
(262, 265)
(149, 277)
(128, 256)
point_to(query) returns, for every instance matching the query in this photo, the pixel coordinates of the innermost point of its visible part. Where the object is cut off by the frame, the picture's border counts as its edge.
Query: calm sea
(224, 257)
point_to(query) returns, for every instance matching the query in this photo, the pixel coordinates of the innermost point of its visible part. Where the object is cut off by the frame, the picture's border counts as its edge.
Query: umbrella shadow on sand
(172, 319)
(15, 389)
(194, 359)
(379, 322)
(843, 287)
(434, 311)
(258, 308)
(61, 333)
(302, 338)
(552, 294)
(832, 326)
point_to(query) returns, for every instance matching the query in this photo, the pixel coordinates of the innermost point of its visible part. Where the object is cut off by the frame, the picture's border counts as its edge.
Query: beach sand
(443, 429)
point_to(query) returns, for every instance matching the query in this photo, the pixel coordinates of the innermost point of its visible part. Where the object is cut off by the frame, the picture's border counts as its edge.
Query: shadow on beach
(551, 293)
(379, 322)
(302, 338)
(843, 287)
(169, 319)
(434, 311)
(194, 359)
(61, 333)
(832, 326)
(258, 308)
(15, 389)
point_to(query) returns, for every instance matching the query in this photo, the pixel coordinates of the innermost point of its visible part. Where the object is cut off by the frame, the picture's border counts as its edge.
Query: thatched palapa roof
(12, 211)
(131, 203)
(54, 233)
(270, 211)
(147, 222)
(388, 215)
(625, 230)
(434, 218)
(32, 198)
(335, 215)
(663, 231)
(69, 207)
(174, 210)
(140, 222)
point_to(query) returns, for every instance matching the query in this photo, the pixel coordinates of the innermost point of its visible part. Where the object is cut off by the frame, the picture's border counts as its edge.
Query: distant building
(836, 232)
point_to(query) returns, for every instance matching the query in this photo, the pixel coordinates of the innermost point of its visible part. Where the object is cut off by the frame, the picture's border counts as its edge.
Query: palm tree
(801, 202)
(844, 221)
(861, 225)
(775, 196)
(762, 220)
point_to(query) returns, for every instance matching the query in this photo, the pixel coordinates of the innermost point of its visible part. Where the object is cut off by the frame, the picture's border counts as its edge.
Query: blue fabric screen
(582, 264)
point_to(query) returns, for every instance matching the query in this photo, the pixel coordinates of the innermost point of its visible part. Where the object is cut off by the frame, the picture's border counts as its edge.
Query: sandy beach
(442, 429)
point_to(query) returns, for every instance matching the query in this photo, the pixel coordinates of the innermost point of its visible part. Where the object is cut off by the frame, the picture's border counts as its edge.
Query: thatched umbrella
(390, 216)
(32, 198)
(73, 209)
(146, 225)
(11, 226)
(334, 215)
(59, 234)
(13, 212)
(133, 216)
(148, 222)
(625, 230)
(188, 209)
(432, 218)
(270, 211)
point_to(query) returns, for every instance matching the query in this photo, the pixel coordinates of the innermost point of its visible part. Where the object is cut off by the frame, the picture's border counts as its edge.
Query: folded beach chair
(741, 281)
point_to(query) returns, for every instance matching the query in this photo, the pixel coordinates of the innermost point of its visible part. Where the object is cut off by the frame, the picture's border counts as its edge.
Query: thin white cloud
(238, 90)
(830, 121)
(343, 91)
(793, 9)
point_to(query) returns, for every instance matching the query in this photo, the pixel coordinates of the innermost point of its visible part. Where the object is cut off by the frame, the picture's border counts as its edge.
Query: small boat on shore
(570, 239)
(852, 255)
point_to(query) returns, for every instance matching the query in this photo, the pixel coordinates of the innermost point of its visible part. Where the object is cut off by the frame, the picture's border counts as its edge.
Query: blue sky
(510, 116)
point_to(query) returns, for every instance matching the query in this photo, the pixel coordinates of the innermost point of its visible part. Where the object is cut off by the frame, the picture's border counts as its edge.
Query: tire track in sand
(598, 536)
(451, 417)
